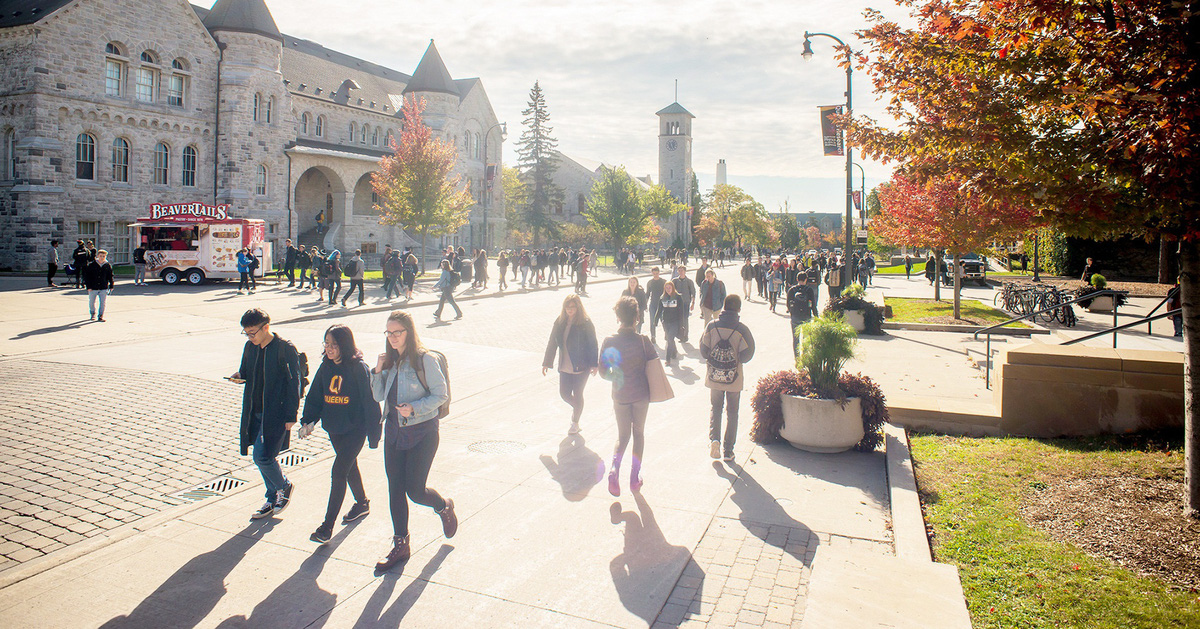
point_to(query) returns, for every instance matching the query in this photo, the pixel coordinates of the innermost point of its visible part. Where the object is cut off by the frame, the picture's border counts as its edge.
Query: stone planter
(856, 319)
(1103, 303)
(821, 425)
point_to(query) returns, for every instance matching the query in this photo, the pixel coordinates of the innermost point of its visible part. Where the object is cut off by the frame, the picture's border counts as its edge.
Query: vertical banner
(831, 135)
(857, 196)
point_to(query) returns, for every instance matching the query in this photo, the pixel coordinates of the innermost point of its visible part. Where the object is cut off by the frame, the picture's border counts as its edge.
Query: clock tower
(675, 164)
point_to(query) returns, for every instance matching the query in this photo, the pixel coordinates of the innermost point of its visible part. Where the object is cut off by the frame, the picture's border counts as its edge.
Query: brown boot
(449, 520)
(399, 554)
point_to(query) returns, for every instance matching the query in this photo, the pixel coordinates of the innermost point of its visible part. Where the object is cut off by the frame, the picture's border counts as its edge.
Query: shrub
(768, 407)
(1085, 290)
(852, 299)
(827, 342)
(1098, 281)
(854, 291)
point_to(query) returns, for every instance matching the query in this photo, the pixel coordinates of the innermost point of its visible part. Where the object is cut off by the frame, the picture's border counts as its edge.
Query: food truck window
(173, 238)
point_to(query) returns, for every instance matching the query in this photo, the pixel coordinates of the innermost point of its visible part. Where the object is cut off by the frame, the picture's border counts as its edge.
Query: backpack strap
(421, 371)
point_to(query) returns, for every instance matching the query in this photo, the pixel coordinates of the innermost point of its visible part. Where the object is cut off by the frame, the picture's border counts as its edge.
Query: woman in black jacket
(340, 397)
(635, 290)
(575, 335)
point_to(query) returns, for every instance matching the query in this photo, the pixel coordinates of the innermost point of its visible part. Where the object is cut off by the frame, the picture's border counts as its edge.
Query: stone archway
(319, 189)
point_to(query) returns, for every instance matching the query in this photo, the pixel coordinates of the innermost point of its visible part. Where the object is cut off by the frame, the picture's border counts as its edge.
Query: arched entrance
(318, 190)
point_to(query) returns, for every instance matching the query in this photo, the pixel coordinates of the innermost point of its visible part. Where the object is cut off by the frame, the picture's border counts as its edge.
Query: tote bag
(656, 376)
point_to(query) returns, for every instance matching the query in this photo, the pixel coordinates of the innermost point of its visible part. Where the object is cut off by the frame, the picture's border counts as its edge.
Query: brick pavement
(86, 450)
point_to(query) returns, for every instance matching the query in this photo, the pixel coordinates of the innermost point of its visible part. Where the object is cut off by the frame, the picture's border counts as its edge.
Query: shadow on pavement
(374, 615)
(577, 469)
(50, 330)
(188, 596)
(759, 508)
(646, 570)
(845, 474)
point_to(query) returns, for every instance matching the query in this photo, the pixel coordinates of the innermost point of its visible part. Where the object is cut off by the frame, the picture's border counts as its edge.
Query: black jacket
(281, 392)
(340, 397)
(581, 345)
(97, 276)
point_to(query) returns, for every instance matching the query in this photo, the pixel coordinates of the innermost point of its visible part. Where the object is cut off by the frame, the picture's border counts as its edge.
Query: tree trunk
(1189, 289)
(957, 284)
(937, 276)
(1164, 260)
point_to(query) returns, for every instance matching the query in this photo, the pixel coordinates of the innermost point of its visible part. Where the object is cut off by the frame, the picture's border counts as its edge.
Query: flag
(831, 135)
(857, 196)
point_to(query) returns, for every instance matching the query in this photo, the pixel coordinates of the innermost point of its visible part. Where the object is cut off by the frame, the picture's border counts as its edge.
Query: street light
(487, 195)
(807, 54)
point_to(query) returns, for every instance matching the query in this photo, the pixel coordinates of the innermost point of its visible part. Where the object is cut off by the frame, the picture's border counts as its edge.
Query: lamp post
(487, 195)
(807, 53)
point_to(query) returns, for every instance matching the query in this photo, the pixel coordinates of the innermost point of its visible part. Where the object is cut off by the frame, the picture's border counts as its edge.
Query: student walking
(623, 361)
(747, 277)
(51, 263)
(774, 285)
(634, 289)
(409, 274)
(98, 278)
(712, 295)
(243, 267)
(481, 274)
(303, 262)
(654, 290)
(270, 371)
(687, 300)
(672, 310)
(342, 400)
(79, 261)
(410, 383)
(333, 275)
(573, 338)
(445, 285)
(502, 264)
(357, 269)
(726, 345)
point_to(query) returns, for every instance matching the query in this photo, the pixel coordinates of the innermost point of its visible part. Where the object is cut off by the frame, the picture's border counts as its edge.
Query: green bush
(827, 343)
(854, 291)
(1098, 281)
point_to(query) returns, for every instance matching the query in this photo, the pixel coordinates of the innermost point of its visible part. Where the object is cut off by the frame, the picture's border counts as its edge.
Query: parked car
(974, 267)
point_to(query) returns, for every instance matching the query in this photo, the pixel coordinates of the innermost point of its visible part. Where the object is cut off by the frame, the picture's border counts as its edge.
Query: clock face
(672, 145)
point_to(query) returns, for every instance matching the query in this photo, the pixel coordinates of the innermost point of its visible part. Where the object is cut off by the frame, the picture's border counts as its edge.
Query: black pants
(51, 269)
(447, 298)
(797, 321)
(570, 387)
(350, 291)
(303, 275)
(730, 399)
(290, 272)
(335, 287)
(345, 472)
(407, 473)
(243, 280)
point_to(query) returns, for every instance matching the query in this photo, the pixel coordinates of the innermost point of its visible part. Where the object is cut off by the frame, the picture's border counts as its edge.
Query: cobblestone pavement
(86, 450)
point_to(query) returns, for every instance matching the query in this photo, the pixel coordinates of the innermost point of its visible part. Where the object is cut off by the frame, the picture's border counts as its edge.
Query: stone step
(946, 415)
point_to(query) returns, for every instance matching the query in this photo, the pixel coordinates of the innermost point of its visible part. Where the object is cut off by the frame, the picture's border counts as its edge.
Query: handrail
(1147, 319)
(987, 374)
(1152, 310)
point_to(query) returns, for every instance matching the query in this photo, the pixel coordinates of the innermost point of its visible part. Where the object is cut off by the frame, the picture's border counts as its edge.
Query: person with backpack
(254, 264)
(303, 262)
(333, 275)
(394, 267)
(445, 285)
(410, 274)
(342, 400)
(414, 387)
(573, 338)
(726, 345)
(355, 270)
(654, 290)
(272, 373)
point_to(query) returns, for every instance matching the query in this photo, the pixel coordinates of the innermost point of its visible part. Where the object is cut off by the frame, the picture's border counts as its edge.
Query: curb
(965, 329)
(908, 522)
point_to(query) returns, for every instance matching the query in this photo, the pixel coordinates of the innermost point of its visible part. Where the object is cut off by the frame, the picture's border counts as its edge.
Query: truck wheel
(171, 276)
(195, 277)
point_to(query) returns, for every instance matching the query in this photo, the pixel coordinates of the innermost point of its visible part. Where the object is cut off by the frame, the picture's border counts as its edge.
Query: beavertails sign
(191, 212)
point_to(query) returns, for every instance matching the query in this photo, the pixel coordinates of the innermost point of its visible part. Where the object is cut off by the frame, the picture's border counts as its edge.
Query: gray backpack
(723, 360)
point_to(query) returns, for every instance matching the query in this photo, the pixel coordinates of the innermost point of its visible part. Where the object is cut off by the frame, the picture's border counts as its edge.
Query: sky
(607, 67)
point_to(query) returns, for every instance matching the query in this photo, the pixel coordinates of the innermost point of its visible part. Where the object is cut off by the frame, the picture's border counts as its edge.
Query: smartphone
(235, 380)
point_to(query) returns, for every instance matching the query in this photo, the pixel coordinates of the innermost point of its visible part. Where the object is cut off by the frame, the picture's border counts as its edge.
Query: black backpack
(444, 409)
(350, 268)
(722, 360)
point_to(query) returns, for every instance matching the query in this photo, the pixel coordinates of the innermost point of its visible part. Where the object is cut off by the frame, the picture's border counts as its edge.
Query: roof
(316, 71)
(674, 108)
(18, 12)
(431, 75)
(246, 16)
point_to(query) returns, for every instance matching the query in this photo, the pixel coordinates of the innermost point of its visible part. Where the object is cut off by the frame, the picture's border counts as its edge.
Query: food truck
(192, 242)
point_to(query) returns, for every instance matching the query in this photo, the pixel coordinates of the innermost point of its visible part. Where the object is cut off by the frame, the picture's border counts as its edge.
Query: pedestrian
(243, 267)
(593, 262)
(654, 290)
(747, 277)
(79, 259)
(1089, 269)
(270, 371)
(320, 272)
(573, 339)
(481, 275)
(502, 264)
(52, 263)
(812, 288)
(289, 262)
(634, 289)
(303, 262)
(445, 285)
(524, 262)
(253, 262)
(726, 345)
(409, 381)
(671, 310)
(583, 266)
(799, 309)
(320, 219)
(712, 295)
(687, 300)
(704, 266)
(98, 278)
(1024, 263)
(389, 278)
(333, 275)
(356, 270)
(340, 398)
(762, 270)
(908, 264)
(1175, 302)
(623, 361)
(410, 274)
(775, 285)
(139, 265)
(931, 269)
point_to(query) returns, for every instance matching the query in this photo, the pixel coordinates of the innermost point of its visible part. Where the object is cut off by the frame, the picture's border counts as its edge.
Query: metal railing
(1155, 309)
(1115, 294)
(1147, 320)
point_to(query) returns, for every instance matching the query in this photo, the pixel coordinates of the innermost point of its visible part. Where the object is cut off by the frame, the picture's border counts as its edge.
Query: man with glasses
(270, 371)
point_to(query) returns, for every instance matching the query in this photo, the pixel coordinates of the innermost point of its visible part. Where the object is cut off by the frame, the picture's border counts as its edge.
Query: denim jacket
(425, 405)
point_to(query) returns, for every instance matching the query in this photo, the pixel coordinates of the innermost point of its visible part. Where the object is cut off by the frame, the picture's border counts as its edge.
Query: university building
(109, 106)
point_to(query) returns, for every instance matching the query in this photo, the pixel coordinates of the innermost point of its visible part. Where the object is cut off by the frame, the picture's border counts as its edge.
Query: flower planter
(821, 425)
(1103, 303)
(856, 319)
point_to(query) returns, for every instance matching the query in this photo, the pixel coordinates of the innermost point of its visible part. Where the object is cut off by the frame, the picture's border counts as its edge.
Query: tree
(697, 208)
(722, 203)
(812, 236)
(516, 200)
(538, 161)
(619, 207)
(1084, 111)
(707, 232)
(790, 236)
(415, 182)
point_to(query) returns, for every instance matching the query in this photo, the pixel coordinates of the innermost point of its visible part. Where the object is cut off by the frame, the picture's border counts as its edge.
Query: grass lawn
(911, 310)
(918, 268)
(975, 493)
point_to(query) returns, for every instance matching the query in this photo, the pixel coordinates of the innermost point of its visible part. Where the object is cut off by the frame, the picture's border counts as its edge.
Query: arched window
(257, 106)
(353, 127)
(176, 84)
(189, 166)
(366, 130)
(9, 164)
(148, 57)
(320, 130)
(120, 160)
(467, 143)
(304, 123)
(260, 181)
(391, 135)
(85, 157)
(114, 71)
(375, 137)
(178, 64)
(270, 106)
(113, 49)
(162, 164)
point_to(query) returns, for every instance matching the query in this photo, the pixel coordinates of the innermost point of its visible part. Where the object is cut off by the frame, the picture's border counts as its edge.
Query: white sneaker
(574, 429)
(714, 449)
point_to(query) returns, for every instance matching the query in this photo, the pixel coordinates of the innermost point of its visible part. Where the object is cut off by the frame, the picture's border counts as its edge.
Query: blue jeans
(93, 295)
(272, 474)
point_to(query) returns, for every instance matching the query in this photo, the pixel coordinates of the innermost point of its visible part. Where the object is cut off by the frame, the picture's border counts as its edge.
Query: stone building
(675, 165)
(575, 176)
(107, 106)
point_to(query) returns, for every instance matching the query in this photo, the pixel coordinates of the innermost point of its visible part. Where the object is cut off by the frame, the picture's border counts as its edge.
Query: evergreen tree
(537, 159)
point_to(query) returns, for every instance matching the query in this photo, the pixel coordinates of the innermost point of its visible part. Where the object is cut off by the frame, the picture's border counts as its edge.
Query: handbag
(656, 377)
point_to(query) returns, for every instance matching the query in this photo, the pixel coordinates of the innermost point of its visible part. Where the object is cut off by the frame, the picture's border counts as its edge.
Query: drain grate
(291, 459)
(218, 486)
(496, 447)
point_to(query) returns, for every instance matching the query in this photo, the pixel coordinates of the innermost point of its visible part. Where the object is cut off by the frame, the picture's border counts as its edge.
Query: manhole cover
(496, 447)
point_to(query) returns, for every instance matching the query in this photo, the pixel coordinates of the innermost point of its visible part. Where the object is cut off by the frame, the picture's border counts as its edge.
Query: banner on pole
(831, 135)
(857, 196)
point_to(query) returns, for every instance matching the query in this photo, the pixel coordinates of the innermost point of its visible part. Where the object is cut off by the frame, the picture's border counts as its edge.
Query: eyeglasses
(253, 333)
(392, 334)
(331, 344)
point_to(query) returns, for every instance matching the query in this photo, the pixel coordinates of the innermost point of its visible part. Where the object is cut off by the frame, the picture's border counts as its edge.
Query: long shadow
(374, 615)
(299, 595)
(187, 597)
(577, 469)
(646, 570)
(760, 509)
(684, 374)
(50, 330)
(842, 469)
(1164, 440)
